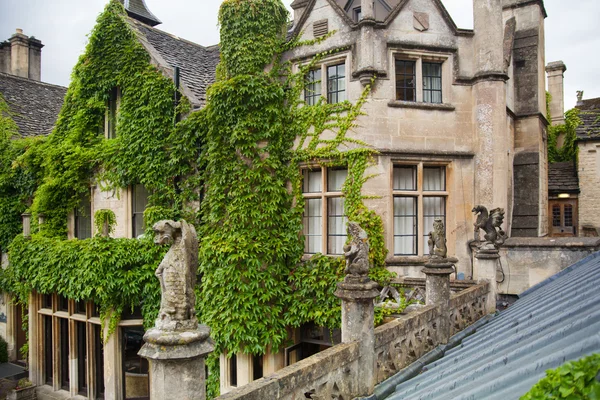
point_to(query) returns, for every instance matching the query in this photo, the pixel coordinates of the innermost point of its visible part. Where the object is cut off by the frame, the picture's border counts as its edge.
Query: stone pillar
(484, 270)
(357, 294)
(494, 147)
(437, 290)
(177, 367)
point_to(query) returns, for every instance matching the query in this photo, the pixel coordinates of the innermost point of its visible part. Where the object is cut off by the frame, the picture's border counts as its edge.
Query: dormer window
(112, 109)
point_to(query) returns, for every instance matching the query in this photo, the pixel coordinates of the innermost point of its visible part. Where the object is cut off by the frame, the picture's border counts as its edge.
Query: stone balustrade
(337, 371)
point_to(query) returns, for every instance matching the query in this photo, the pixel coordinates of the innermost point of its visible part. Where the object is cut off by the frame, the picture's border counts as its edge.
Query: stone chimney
(555, 71)
(299, 6)
(21, 55)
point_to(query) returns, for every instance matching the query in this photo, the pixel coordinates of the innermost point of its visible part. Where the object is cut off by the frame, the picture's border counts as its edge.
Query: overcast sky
(62, 25)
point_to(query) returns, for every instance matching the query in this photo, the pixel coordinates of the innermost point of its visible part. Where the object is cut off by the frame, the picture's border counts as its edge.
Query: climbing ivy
(16, 183)
(573, 380)
(568, 151)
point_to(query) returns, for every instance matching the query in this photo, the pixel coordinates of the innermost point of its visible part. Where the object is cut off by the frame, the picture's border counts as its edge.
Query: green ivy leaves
(574, 380)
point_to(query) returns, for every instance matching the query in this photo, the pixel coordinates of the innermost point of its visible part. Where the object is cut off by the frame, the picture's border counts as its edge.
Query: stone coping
(421, 105)
(300, 374)
(549, 242)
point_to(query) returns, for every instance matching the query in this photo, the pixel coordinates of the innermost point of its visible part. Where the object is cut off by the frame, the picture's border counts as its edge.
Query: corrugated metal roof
(554, 322)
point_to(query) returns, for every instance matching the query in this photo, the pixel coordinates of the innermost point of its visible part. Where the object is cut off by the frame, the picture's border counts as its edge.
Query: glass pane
(140, 198)
(99, 362)
(83, 219)
(135, 367)
(336, 225)
(568, 215)
(433, 208)
(405, 225)
(312, 91)
(405, 178)
(312, 181)
(336, 83)
(336, 179)
(48, 350)
(434, 179)
(556, 215)
(405, 80)
(81, 358)
(64, 353)
(313, 226)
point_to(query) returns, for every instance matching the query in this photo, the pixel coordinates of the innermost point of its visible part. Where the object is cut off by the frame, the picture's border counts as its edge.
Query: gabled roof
(137, 9)
(556, 321)
(34, 105)
(590, 117)
(382, 21)
(562, 178)
(197, 64)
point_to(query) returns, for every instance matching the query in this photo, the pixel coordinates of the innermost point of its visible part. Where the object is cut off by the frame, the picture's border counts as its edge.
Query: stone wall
(528, 261)
(589, 184)
(334, 373)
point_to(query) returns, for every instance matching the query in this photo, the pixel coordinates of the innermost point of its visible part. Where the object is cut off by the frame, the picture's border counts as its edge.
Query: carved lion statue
(357, 252)
(491, 224)
(177, 272)
(437, 240)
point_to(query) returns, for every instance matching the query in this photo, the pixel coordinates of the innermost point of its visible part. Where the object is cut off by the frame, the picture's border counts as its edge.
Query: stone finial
(437, 240)
(491, 224)
(357, 253)
(579, 97)
(177, 275)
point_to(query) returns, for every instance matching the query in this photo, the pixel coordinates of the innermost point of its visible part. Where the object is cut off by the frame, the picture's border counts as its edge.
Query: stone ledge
(421, 105)
(546, 242)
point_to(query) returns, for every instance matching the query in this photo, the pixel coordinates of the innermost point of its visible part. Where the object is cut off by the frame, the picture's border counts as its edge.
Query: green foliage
(102, 217)
(572, 381)
(113, 273)
(255, 283)
(141, 153)
(16, 183)
(568, 151)
(3, 350)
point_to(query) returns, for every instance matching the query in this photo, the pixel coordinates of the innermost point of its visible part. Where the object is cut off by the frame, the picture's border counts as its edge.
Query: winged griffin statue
(491, 224)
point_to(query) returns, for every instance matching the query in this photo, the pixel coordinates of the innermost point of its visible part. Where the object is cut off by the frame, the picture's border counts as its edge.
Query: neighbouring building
(588, 144)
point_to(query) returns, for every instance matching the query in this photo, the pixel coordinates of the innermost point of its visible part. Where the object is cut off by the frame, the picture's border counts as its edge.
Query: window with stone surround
(322, 190)
(112, 110)
(83, 218)
(419, 77)
(333, 85)
(68, 326)
(139, 201)
(420, 196)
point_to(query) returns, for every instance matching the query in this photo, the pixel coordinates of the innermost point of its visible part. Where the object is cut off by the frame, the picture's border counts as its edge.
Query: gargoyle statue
(177, 275)
(357, 252)
(490, 224)
(437, 240)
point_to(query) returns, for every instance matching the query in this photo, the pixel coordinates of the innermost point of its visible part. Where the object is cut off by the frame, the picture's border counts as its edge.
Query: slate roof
(590, 117)
(197, 64)
(562, 178)
(34, 105)
(553, 322)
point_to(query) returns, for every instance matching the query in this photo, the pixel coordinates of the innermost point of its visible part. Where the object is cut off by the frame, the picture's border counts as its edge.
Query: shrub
(3, 350)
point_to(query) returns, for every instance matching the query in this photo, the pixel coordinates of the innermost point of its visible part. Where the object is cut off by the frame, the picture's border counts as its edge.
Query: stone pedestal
(357, 294)
(437, 290)
(484, 270)
(176, 360)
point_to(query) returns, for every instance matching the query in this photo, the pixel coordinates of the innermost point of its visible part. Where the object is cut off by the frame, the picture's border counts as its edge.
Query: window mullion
(420, 218)
(419, 83)
(325, 215)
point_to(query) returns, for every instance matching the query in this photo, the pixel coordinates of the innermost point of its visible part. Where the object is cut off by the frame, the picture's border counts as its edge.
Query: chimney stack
(299, 6)
(21, 55)
(555, 71)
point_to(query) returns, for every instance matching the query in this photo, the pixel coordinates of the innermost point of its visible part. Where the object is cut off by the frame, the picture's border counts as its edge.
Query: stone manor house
(457, 117)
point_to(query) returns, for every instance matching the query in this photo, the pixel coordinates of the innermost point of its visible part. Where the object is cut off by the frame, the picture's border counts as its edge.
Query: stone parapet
(336, 372)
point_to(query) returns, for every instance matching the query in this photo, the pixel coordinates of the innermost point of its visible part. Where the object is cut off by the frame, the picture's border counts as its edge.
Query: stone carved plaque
(421, 21)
